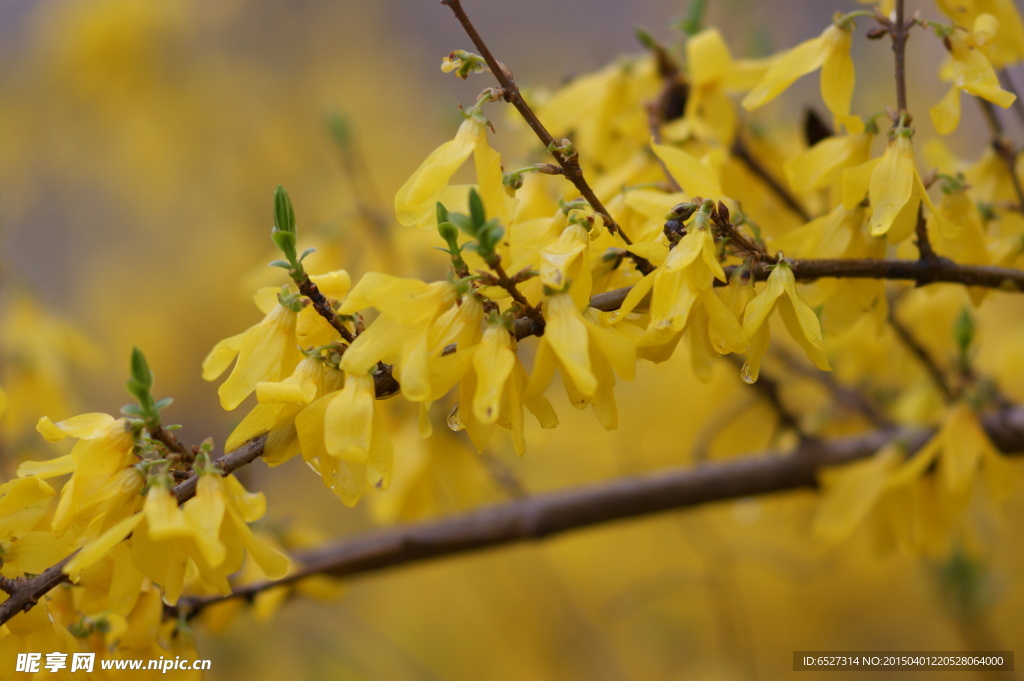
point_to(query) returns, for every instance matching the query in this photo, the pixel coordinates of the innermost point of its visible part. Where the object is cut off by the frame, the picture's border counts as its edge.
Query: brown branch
(570, 164)
(26, 592)
(544, 515)
(941, 271)
(506, 282)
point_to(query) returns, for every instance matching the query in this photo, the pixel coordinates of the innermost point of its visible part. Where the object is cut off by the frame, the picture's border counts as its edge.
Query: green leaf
(163, 403)
(133, 410)
(306, 252)
(281, 263)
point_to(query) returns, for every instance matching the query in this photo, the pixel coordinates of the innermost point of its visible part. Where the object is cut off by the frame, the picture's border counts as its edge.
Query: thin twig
(899, 34)
(570, 164)
(924, 244)
(843, 394)
(1009, 86)
(927, 361)
(740, 151)
(322, 307)
(544, 515)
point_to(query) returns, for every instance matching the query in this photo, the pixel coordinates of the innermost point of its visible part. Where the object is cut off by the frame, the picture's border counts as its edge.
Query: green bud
(284, 215)
(476, 209)
(140, 369)
(341, 131)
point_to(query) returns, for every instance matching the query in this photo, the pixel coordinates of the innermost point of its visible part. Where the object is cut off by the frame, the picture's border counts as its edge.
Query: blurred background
(140, 144)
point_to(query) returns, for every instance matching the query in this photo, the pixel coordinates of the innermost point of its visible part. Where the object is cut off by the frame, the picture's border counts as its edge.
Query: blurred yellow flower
(971, 72)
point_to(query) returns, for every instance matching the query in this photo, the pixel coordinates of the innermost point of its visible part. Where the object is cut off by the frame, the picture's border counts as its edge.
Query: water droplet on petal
(747, 374)
(454, 420)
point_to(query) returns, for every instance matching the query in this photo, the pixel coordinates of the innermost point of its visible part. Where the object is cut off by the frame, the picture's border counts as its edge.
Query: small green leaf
(133, 410)
(281, 263)
(163, 403)
(306, 252)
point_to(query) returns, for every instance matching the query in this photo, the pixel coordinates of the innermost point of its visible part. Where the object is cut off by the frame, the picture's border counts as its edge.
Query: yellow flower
(710, 115)
(801, 322)
(822, 164)
(682, 292)
(279, 403)
(401, 334)
(972, 73)
(831, 53)
(25, 542)
(209, 532)
(961, 448)
(104, 482)
(852, 492)
(895, 189)
(1005, 47)
(416, 200)
(343, 438)
(587, 348)
(266, 352)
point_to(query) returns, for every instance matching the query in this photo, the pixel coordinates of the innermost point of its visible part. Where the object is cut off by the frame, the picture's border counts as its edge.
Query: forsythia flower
(682, 292)
(103, 483)
(972, 73)
(895, 189)
(279, 403)
(961, 448)
(266, 352)
(799, 318)
(343, 438)
(209, 534)
(831, 53)
(586, 348)
(416, 200)
(401, 334)
(1006, 47)
(25, 543)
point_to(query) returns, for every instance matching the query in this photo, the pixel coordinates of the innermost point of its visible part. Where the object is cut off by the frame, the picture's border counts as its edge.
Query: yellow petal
(692, 175)
(416, 196)
(84, 426)
(853, 494)
(101, 546)
(786, 69)
(946, 114)
(348, 420)
(837, 73)
(567, 335)
(892, 184)
(493, 363)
